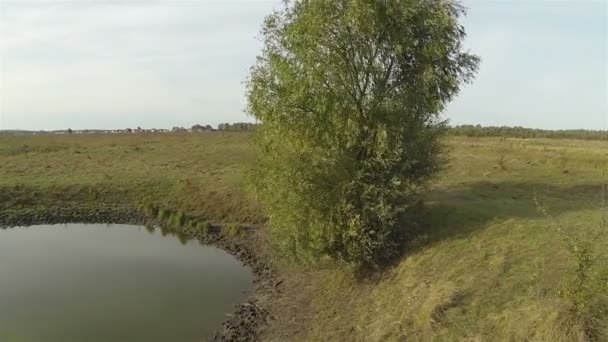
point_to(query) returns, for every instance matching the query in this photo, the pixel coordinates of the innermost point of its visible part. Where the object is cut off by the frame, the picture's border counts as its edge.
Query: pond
(97, 282)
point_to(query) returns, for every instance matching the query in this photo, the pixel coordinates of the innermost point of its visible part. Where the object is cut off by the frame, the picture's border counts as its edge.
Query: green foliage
(349, 94)
(236, 127)
(201, 128)
(178, 219)
(164, 214)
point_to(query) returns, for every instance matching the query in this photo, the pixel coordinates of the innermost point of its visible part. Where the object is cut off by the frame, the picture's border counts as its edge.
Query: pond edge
(244, 323)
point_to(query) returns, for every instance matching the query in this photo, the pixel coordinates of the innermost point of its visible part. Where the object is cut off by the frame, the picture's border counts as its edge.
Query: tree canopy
(348, 94)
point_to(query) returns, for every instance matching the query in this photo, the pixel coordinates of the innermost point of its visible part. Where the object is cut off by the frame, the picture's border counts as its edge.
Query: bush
(348, 94)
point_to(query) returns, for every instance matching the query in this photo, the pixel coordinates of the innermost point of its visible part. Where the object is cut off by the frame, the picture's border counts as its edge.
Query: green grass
(489, 264)
(198, 174)
(498, 256)
(234, 230)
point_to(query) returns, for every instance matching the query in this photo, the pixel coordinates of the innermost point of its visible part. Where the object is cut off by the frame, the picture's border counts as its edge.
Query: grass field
(198, 174)
(514, 243)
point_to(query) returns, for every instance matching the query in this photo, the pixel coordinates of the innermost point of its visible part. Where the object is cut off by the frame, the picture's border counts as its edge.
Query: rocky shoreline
(247, 319)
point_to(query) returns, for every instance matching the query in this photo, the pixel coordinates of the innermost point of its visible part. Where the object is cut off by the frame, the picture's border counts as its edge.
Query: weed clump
(204, 227)
(149, 209)
(178, 219)
(502, 162)
(164, 214)
(234, 230)
(586, 293)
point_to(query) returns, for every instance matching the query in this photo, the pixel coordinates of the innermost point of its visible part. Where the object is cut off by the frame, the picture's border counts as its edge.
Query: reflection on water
(165, 231)
(113, 283)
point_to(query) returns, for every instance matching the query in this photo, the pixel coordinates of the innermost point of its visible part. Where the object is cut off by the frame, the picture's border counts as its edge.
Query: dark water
(113, 283)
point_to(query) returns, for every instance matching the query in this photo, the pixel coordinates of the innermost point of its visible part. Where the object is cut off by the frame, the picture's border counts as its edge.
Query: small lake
(99, 282)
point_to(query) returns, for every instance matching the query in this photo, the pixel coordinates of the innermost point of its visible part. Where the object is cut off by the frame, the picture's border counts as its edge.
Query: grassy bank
(495, 261)
(502, 255)
(200, 175)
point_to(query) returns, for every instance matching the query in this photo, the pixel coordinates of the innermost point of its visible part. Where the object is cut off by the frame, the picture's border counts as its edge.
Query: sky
(127, 63)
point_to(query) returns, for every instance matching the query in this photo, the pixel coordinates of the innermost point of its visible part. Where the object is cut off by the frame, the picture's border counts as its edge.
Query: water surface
(113, 283)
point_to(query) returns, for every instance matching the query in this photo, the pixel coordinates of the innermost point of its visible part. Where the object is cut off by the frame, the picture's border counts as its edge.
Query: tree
(237, 127)
(349, 95)
(70, 131)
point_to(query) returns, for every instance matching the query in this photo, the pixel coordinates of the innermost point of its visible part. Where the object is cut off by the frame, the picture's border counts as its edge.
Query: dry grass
(488, 266)
(198, 174)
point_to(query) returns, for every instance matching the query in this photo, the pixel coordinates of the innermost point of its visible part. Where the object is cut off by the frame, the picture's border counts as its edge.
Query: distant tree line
(226, 127)
(201, 128)
(521, 132)
(237, 127)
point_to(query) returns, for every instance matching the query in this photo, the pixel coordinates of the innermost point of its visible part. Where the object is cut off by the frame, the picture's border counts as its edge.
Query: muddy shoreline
(251, 249)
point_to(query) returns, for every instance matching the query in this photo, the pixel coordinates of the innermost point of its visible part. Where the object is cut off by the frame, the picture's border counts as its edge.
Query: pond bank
(250, 248)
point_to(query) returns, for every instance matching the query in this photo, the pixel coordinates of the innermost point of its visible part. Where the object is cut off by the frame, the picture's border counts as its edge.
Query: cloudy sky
(114, 64)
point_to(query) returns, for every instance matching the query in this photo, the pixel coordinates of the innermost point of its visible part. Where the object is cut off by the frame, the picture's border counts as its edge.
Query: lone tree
(349, 95)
